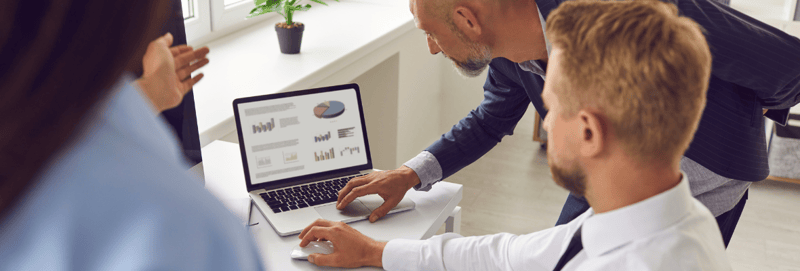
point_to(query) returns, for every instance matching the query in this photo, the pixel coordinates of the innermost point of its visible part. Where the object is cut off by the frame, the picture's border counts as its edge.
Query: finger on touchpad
(354, 209)
(372, 202)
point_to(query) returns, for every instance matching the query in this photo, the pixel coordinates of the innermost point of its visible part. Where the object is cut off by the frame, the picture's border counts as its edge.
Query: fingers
(318, 222)
(315, 233)
(180, 49)
(322, 259)
(349, 186)
(384, 209)
(355, 193)
(167, 39)
(188, 84)
(186, 72)
(187, 58)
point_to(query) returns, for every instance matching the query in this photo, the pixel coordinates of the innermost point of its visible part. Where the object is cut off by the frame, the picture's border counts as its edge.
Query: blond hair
(642, 65)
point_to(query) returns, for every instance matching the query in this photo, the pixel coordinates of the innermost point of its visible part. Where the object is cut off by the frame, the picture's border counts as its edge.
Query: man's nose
(433, 46)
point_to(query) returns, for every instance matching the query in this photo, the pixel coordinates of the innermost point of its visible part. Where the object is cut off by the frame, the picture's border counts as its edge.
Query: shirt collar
(533, 66)
(608, 231)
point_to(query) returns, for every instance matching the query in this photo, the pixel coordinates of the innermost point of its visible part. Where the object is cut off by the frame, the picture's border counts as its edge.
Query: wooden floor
(510, 190)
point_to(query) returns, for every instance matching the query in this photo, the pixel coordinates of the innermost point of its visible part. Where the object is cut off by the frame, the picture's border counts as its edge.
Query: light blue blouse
(119, 197)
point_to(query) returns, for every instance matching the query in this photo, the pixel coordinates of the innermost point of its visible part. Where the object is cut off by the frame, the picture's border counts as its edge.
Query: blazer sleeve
(504, 103)
(749, 53)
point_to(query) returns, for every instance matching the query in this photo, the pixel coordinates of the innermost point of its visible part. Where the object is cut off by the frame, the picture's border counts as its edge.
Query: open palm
(167, 71)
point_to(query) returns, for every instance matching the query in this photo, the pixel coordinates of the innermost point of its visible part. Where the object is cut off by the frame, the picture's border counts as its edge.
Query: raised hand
(167, 71)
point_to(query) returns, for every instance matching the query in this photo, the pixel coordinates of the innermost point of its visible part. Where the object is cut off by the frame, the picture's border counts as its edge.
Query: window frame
(214, 20)
(223, 17)
(200, 25)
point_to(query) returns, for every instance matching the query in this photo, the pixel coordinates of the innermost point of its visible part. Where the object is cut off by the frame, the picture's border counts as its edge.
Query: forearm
(457, 149)
(451, 251)
(469, 140)
(506, 98)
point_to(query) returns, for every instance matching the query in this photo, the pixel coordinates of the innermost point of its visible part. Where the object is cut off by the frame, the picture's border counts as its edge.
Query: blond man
(619, 126)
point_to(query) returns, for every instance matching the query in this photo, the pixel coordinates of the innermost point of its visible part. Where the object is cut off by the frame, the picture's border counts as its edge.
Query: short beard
(479, 59)
(479, 56)
(573, 180)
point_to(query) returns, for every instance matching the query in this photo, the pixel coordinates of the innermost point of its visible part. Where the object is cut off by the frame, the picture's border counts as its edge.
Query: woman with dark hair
(90, 176)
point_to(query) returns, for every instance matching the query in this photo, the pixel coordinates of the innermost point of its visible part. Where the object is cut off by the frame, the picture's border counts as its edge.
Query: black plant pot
(291, 38)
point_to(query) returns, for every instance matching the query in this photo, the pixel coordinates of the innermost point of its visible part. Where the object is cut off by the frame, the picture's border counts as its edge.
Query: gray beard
(478, 60)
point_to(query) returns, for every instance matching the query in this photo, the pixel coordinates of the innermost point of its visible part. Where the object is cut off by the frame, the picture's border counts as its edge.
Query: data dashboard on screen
(302, 135)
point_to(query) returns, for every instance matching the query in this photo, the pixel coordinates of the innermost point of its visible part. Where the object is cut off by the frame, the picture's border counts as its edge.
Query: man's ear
(467, 21)
(593, 133)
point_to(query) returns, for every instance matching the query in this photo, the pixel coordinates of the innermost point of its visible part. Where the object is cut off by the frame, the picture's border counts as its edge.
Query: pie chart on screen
(329, 109)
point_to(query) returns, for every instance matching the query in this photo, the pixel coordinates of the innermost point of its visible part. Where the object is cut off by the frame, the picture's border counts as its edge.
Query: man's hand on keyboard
(391, 185)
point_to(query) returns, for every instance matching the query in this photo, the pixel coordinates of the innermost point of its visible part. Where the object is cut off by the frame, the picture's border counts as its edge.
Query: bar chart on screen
(324, 155)
(264, 127)
(322, 137)
(263, 161)
(289, 157)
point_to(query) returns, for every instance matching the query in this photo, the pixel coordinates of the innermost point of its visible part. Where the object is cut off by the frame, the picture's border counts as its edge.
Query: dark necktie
(574, 247)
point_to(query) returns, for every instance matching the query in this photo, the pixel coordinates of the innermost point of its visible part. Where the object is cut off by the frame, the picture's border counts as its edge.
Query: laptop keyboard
(307, 195)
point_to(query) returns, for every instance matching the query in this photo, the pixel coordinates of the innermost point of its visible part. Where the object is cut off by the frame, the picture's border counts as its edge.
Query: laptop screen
(301, 135)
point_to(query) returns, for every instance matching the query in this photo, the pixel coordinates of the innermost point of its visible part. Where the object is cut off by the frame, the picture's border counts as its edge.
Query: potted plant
(290, 33)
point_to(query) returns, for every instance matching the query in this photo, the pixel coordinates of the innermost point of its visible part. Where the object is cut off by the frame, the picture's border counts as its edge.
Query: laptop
(299, 149)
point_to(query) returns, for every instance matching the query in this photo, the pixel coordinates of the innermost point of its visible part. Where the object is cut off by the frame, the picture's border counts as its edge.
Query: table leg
(453, 222)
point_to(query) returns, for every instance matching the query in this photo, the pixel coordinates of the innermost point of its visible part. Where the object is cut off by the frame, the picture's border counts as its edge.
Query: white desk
(225, 178)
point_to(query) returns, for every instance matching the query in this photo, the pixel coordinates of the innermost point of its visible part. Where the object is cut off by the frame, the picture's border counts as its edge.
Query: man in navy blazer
(755, 68)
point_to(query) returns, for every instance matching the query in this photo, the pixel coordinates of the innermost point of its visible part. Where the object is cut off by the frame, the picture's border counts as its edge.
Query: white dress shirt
(669, 231)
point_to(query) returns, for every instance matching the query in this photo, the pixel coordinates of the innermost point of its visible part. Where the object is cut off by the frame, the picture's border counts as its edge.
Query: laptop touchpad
(355, 209)
(372, 201)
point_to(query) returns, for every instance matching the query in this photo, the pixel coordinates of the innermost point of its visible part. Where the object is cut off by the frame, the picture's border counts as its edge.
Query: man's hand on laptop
(350, 248)
(391, 185)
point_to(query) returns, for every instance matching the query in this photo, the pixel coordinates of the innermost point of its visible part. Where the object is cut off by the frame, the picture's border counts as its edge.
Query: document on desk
(224, 175)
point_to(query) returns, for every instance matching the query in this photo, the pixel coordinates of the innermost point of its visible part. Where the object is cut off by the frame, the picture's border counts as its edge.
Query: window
(209, 19)
(188, 9)
(224, 16)
(196, 18)
(231, 2)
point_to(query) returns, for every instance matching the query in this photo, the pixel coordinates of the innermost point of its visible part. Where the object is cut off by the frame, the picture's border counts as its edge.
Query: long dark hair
(57, 59)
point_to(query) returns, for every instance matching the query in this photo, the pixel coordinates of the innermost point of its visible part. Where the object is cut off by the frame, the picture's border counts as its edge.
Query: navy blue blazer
(754, 66)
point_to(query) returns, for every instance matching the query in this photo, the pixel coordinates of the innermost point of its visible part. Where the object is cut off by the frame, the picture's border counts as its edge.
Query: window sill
(249, 63)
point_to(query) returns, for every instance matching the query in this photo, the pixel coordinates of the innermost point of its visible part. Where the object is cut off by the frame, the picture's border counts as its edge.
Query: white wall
(401, 95)
(419, 101)
(379, 94)
(459, 94)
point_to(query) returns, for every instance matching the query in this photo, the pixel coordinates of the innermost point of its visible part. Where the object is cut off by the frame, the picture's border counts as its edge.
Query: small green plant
(285, 8)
